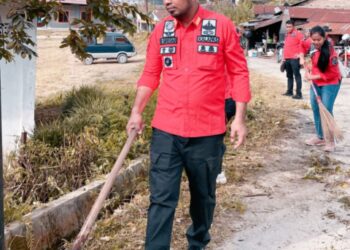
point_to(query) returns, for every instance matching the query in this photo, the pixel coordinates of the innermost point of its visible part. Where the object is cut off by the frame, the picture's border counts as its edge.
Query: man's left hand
(239, 133)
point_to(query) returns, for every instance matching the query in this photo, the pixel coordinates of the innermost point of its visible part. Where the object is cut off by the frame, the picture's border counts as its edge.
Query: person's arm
(237, 71)
(148, 82)
(238, 126)
(135, 121)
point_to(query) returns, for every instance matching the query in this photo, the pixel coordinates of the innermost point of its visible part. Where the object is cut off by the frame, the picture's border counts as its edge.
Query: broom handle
(312, 84)
(90, 220)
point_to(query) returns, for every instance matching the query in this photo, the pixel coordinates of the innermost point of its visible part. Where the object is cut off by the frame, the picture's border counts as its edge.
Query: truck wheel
(122, 58)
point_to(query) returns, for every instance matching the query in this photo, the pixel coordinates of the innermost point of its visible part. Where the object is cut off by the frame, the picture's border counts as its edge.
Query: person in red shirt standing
(292, 50)
(326, 77)
(191, 50)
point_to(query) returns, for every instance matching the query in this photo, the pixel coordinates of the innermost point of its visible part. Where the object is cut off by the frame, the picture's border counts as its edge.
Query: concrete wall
(17, 95)
(74, 12)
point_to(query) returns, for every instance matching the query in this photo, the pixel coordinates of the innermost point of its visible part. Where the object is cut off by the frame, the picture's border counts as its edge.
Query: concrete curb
(44, 227)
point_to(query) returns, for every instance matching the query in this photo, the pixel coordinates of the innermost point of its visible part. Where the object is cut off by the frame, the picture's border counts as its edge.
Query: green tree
(239, 13)
(23, 12)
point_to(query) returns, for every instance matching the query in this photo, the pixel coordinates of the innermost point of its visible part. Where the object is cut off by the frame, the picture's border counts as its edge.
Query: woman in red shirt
(326, 78)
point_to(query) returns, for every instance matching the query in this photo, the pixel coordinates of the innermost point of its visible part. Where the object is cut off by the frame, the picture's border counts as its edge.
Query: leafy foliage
(238, 13)
(23, 12)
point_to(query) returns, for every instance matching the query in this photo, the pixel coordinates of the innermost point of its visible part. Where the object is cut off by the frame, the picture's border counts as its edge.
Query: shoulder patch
(334, 61)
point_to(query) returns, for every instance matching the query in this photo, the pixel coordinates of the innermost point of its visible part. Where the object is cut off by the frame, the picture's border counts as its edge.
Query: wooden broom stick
(90, 220)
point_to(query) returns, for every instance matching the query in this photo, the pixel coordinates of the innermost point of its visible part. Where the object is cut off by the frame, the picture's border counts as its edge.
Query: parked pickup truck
(113, 46)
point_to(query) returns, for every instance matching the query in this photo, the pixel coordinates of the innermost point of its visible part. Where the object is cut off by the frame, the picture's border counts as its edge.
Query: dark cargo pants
(293, 71)
(201, 158)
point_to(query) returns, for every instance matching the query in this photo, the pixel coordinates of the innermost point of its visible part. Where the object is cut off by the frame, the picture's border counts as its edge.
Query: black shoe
(288, 94)
(297, 97)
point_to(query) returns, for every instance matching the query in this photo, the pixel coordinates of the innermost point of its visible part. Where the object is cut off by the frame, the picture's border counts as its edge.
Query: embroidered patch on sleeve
(168, 50)
(334, 61)
(168, 61)
(207, 49)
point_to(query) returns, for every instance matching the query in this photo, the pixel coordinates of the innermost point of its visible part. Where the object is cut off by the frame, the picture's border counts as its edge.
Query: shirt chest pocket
(207, 57)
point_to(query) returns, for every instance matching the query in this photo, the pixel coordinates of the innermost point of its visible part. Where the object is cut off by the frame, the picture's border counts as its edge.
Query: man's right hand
(135, 122)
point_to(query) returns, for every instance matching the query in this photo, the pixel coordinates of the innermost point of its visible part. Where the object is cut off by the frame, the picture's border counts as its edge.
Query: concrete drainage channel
(45, 227)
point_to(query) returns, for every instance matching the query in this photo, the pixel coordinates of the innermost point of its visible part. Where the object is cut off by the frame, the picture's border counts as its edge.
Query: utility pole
(2, 223)
(146, 6)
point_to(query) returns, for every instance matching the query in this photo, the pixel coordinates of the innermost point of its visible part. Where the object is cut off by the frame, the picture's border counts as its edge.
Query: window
(108, 39)
(86, 15)
(121, 40)
(63, 17)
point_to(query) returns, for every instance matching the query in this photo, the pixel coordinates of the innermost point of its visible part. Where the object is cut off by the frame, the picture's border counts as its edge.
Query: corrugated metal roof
(333, 17)
(337, 19)
(336, 28)
(268, 22)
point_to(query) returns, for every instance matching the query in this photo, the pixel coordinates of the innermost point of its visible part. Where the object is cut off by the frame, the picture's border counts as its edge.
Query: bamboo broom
(331, 131)
(90, 220)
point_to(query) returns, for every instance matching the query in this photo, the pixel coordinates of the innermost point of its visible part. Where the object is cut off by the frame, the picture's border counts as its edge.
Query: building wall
(74, 12)
(17, 95)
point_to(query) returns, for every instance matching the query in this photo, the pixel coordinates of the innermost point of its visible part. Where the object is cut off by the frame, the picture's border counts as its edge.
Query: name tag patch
(208, 39)
(168, 50)
(168, 40)
(207, 49)
(168, 61)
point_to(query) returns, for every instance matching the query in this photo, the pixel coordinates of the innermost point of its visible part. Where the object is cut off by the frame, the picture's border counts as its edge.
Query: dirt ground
(58, 70)
(297, 199)
(304, 193)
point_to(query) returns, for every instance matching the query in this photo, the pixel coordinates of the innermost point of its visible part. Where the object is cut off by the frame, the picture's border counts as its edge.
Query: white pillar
(18, 95)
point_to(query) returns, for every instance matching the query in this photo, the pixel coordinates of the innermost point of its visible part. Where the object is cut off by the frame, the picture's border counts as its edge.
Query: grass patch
(320, 167)
(78, 144)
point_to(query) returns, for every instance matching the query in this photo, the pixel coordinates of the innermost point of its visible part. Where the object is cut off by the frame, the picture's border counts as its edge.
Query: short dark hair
(290, 22)
(326, 28)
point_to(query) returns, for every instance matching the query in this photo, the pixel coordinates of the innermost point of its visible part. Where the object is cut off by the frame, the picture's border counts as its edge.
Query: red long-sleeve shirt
(192, 61)
(332, 73)
(292, 44)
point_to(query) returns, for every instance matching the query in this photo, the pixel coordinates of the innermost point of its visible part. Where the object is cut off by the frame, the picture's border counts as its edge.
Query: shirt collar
(196, 20)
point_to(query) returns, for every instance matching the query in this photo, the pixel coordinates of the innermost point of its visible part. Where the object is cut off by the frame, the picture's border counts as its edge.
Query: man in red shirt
(191, 49)
(292, 51)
